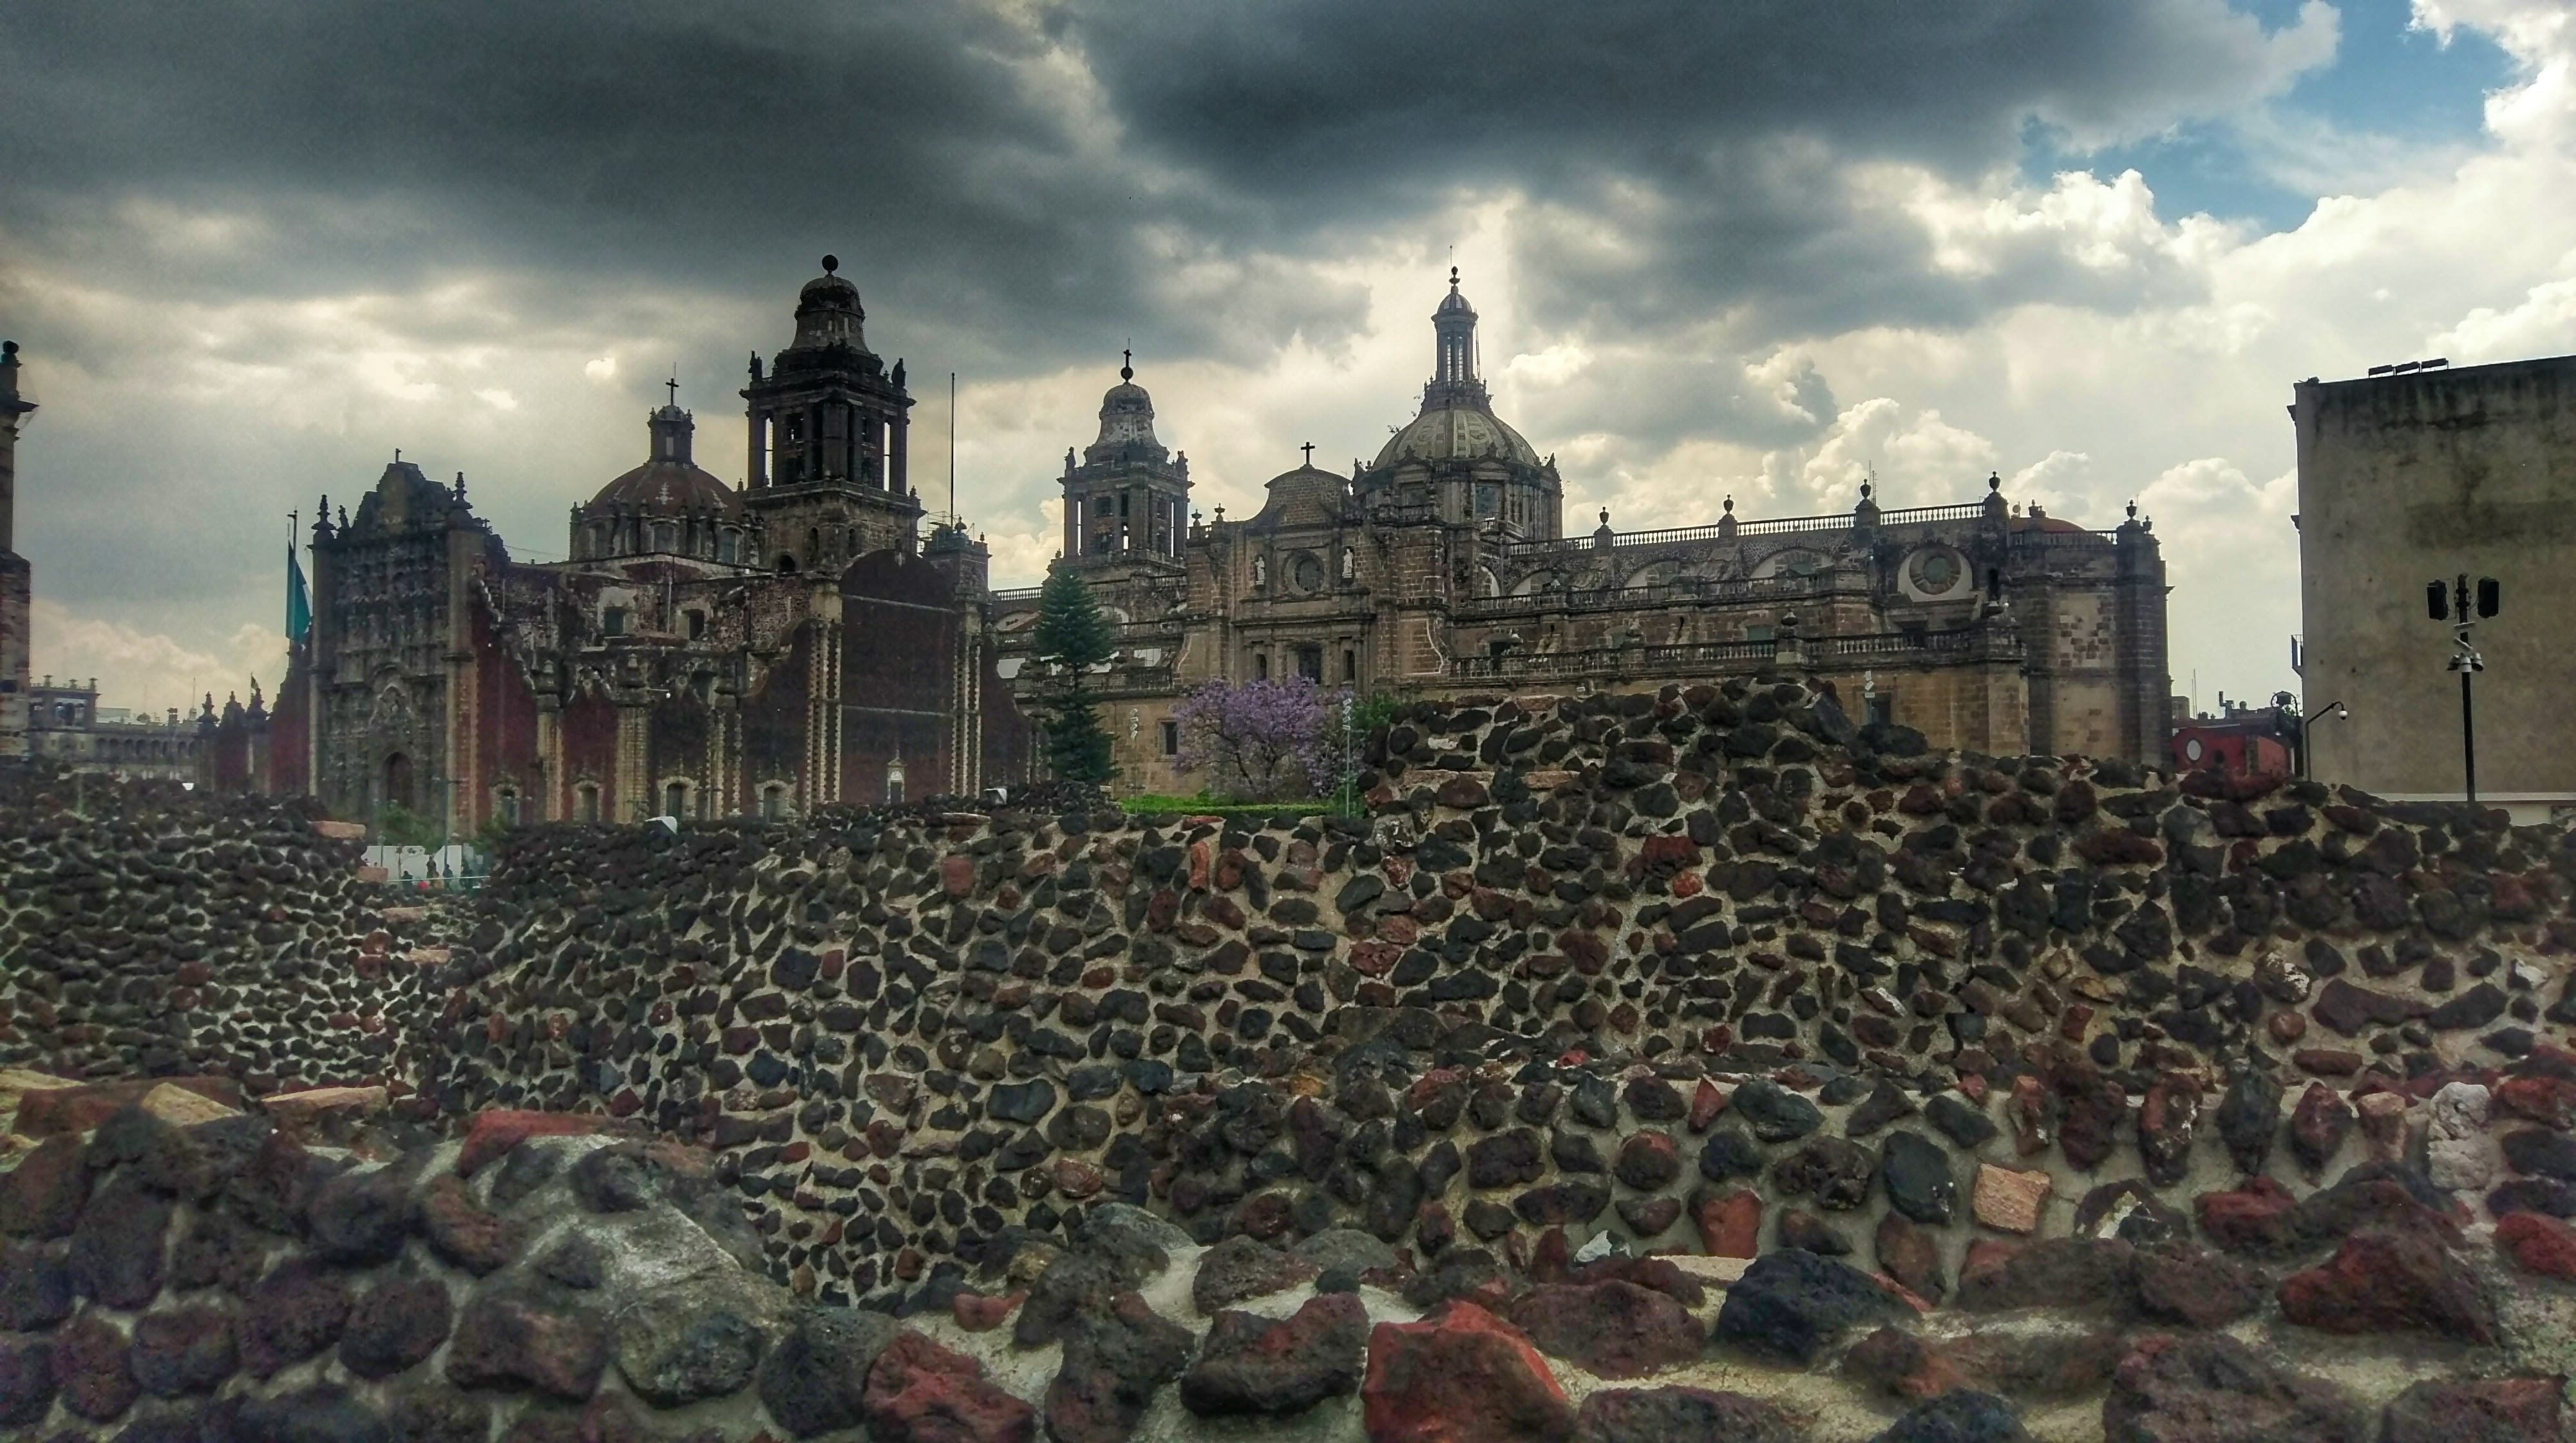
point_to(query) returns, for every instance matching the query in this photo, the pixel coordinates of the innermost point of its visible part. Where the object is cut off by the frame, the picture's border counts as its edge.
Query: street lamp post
(2450, 602)
(2329, 712)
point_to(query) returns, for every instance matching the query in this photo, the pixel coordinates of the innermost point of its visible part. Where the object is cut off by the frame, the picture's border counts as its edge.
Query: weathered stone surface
(294, 1312)
(2182, 1282)
(1460, 1373)
(1647, 1161)
(394, 1325)
(1679, 1415)
(1615, 1329)
(26, 1379)
(1256, 1366)
(920, 1392)
(93, 1369)
(2210, 1388)
(815, 1381)
(510, 1338)
(2249, 1118)
(696, 1339)
(1900, 1364)
(1912, 1256)
(1836, 1173)
(2053, 1272)
(2390, 1279)
(1730, 1226)
(463, 1231)
(2007, 1199)
(2500, 1410)
(35, 1287)
(117, 1250)
(326, 1413)
(1962, 1417)
(495, 1133)
(42, 1196)
(1773, 1112)
(1791, 1304)
(186, 1350)
(1240, 1268)
(1114, 1364)
(2318, 1125)
(1919, 1179)
(361, 1218)
(2539, 1244)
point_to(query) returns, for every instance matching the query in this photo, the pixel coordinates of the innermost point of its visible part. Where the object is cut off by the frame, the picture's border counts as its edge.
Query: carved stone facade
(1441, 568)
(705, 651)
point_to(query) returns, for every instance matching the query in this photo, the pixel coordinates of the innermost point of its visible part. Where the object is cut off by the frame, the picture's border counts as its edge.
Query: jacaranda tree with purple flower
(1260, 741)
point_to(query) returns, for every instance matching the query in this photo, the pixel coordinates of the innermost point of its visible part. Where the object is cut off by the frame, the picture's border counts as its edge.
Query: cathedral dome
(670, 484)
(828, 311)
(1455, 433)
(1126, 421)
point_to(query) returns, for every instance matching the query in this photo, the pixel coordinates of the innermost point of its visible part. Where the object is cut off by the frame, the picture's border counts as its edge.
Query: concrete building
(2423, 475)
(66, 725)
(1441, 568)
(17, 581)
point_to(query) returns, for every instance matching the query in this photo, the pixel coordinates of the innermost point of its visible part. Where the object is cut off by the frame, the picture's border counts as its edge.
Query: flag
(299, 604)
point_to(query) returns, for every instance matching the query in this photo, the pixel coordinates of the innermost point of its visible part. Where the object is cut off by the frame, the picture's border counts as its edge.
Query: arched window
(773, 801)
(727, 546)
(586, 801)
(675, 799)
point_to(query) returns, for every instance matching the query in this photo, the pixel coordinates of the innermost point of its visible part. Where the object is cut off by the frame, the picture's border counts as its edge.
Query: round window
(2192, 749)
(1306, 572)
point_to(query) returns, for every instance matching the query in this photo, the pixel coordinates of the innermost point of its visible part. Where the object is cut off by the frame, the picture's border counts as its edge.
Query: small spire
(1127, 364)
(460, 488)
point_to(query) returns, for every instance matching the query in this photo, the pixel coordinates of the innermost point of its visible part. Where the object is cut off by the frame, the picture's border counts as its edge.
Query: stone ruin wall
(146, 930)
(1706, 973)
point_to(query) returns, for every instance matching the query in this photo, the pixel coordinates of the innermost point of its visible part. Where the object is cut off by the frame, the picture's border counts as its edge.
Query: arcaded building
(1442, 567)
(2421, 475)
(705, 650)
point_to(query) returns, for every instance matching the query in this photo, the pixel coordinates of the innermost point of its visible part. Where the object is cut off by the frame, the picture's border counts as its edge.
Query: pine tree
(1072, 637)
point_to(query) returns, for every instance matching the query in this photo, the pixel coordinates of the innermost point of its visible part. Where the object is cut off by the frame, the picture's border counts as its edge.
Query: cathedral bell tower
(827, 468)
(1128, 498)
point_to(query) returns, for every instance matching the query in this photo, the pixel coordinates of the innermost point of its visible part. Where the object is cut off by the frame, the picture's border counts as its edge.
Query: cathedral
(709, 650)
(704, 651)
(1442, 569)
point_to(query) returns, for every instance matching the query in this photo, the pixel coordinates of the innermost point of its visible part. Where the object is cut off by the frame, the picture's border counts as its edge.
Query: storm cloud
(1758, 247)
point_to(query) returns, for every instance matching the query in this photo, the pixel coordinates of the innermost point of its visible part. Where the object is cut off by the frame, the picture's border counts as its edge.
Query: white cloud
(151, 671)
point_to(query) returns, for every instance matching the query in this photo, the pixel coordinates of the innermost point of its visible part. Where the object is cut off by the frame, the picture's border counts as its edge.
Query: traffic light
(2437, 600)
(2490, 596)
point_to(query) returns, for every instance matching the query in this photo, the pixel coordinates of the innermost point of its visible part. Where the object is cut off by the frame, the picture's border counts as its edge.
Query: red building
(2239, 740)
